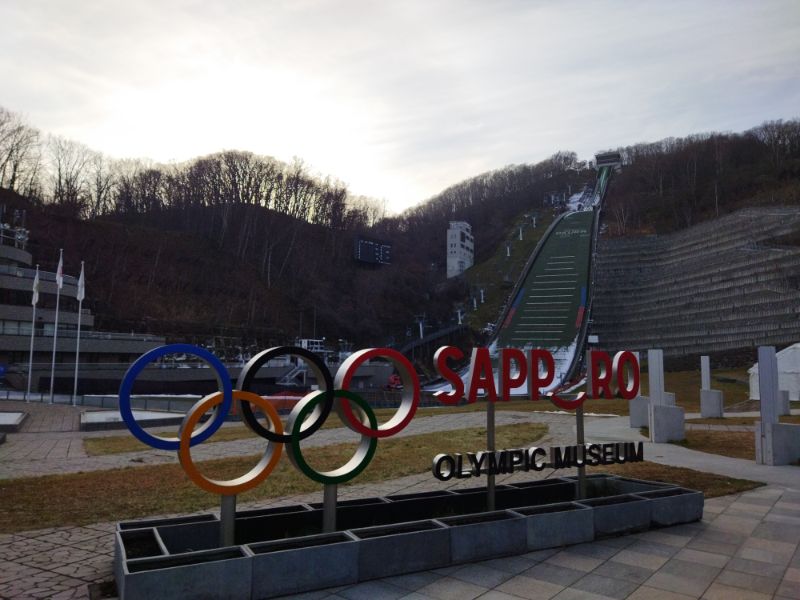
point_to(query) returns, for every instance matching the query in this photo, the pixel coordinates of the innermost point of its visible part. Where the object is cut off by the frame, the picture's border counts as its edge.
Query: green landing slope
(550, 304)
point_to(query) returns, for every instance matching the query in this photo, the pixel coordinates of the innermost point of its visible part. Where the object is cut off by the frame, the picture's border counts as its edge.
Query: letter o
(627, 384)
(439, 462)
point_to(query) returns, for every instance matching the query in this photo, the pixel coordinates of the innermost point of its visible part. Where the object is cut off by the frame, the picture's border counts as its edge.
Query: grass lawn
(710, 484)
(733, 420)
(119, 494)
(686, 387)
(684, 384)
(736, 444)
(125, 442)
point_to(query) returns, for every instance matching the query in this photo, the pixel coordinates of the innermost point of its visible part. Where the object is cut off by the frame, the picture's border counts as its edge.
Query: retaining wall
(723, 285)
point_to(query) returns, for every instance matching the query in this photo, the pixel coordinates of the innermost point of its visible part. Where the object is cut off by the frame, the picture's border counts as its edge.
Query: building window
(11, 327)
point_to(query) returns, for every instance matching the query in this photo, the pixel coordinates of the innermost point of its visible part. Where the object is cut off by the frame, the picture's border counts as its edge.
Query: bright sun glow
(397, 100)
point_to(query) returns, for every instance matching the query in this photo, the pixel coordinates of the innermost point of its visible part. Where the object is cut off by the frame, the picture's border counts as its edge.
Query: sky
(396, 99)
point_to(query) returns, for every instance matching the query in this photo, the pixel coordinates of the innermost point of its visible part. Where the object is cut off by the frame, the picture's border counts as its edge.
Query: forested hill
(245, 246)
(678, 182)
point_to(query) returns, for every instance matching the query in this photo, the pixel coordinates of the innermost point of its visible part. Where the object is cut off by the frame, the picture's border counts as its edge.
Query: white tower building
(460, 248)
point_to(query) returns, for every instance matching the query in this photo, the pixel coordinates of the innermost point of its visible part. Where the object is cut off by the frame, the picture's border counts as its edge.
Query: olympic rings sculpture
(307, 416)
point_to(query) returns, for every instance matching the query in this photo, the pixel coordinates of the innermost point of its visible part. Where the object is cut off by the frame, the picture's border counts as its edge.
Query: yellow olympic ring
(255, 475)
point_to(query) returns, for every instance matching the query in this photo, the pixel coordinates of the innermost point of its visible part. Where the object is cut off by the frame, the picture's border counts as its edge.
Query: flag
(60, 270)
(35, 299)
(81, 286)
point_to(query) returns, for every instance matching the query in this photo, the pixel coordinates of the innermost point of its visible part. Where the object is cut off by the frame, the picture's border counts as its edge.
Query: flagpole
(81, 293)
(34, 301)
(59, 283)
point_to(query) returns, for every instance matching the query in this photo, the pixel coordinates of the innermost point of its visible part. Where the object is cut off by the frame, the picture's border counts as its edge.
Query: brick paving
(745, 547)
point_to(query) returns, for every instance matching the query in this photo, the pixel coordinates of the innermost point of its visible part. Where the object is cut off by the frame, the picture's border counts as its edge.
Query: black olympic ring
(322, 374)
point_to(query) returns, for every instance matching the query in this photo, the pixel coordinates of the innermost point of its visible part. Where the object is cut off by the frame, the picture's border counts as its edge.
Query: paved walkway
(746, 546)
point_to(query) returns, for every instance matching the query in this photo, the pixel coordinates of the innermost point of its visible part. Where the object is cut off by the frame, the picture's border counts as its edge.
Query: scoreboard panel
(375, 252)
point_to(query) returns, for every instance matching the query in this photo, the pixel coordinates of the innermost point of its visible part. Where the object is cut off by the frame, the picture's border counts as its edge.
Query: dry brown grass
(735, 444)
(686, 387)
(741, 421)
(81, 498)
(119, 443)
(710, 484)
(684, 384)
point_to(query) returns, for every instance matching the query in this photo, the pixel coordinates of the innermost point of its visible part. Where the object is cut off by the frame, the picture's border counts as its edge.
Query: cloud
(399, 100)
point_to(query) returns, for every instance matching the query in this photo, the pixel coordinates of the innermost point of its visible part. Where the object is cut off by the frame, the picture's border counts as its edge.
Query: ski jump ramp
(551, 302)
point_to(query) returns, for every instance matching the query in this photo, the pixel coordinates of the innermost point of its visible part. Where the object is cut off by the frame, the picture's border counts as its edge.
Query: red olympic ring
(410, 399)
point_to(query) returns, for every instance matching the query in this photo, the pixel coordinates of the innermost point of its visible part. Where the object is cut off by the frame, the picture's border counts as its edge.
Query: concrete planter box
(223, 573)
(274, 510)
(556, 525)
(486, 535)
(281, 550)
(278, 526)
(674, 505)
(142, 523)
(303, 564)
(481, 489)
(597, 484)
(11, 422)
(532, 493)
(403, 548)
(140, 543)
(358, 516)
(435, 506)
(601, 485)
(615, 485)
(616, 515)
(189, 537)
(418, 495)
(132, 544)
(354, 502)
(537, 493)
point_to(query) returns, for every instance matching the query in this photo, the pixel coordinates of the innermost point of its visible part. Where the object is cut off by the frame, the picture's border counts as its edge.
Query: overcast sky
(397, 99)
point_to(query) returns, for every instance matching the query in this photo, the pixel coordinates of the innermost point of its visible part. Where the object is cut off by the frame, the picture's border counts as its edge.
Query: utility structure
(460, 248)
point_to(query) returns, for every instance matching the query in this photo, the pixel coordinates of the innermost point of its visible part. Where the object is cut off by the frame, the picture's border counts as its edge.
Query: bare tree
(19, 155)
(68, 170)
(782, 139)
(101, 181)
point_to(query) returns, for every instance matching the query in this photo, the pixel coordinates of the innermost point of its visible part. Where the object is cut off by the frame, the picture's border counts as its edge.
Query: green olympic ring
(363, 454)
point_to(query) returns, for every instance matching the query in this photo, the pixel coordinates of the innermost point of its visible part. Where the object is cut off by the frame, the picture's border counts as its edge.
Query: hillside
(675, 183)
(172, 272)
(244, 247)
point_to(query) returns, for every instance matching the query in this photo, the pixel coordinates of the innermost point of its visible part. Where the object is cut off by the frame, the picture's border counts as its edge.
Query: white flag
(35, 299)
(81, 286)
(60, 271)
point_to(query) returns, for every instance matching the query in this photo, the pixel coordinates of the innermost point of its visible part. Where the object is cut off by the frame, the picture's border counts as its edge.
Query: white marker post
(768, 392)
(705, 373)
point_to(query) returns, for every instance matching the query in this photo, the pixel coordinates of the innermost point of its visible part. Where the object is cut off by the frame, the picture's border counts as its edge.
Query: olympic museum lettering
(475, 464)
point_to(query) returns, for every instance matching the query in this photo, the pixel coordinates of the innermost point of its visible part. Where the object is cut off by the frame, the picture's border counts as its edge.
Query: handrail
(31, 273)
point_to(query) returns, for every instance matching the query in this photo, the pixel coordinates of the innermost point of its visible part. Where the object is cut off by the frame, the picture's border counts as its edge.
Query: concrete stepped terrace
(723, 285)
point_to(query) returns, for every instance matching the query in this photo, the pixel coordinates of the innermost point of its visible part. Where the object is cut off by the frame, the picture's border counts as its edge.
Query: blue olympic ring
(202, 433)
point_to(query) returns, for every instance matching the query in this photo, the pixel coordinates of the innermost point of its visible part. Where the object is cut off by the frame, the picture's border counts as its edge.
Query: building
(460, 248)
(103, 354)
